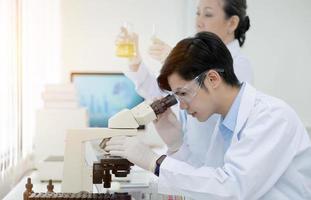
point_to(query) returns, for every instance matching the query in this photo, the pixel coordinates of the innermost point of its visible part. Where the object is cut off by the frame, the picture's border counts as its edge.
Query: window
(10, 85)
(29, 59)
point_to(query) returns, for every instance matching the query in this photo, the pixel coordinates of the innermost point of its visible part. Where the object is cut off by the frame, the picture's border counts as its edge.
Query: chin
(202, 118)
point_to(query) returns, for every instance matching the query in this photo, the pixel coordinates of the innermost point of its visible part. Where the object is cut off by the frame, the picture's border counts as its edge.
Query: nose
(199, 23)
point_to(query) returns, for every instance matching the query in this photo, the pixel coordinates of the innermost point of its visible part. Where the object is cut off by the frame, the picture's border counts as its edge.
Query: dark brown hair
(194, 55)
(238, 8)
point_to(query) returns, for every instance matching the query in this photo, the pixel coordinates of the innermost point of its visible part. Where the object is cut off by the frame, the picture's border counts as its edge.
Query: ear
(233, 24)
(212, 78)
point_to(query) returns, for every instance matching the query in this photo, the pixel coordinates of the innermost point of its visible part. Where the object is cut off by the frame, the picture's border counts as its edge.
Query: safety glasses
(190, 90)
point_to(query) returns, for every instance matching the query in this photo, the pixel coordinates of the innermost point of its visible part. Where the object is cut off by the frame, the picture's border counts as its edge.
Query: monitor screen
(104, 94)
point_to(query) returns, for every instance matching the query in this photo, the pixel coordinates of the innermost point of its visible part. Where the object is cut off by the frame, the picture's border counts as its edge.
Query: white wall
(279, 46)
(90, 28)
(278, 43)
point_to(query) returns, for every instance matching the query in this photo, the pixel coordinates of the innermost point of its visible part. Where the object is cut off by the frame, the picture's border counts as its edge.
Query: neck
(228, 39)
(227, 95)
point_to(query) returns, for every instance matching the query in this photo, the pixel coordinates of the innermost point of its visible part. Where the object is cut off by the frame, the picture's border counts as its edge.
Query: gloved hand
(159, 50)
(133, 62)
(133, 150)
(170, 130)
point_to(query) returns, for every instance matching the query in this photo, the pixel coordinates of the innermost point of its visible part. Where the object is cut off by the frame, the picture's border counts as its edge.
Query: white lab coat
(269, 157)
(197, 140)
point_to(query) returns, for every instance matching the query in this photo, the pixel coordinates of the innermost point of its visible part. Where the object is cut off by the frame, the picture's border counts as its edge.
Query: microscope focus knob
(97, 173)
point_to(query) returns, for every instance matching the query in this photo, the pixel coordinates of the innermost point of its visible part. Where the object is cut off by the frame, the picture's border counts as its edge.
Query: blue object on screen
(104, 94)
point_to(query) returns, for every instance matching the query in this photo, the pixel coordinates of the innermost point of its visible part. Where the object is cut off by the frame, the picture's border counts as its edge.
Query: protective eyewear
(190, 90)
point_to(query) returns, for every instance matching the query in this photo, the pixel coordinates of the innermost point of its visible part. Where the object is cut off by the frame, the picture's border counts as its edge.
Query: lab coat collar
(246, 105)
(231, 118)
(234, 48)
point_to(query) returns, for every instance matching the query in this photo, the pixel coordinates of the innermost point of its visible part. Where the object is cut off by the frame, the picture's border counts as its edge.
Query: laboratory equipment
(29, 194)
(125, 46)
(78, 176)
(104, 94)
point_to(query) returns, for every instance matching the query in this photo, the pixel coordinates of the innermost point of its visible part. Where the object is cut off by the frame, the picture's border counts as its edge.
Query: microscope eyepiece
(161, 105)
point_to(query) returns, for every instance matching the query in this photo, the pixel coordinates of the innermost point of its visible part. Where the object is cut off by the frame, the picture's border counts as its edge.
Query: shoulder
(272, 108)
(241, 63)
(237, 54)
(242, 69)
(271, 117)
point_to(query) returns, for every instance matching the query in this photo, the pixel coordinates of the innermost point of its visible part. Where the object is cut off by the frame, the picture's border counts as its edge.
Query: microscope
(77, 176)
(142, 114)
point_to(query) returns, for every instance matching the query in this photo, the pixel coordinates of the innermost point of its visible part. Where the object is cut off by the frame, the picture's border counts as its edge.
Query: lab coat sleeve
(145, 82)
(184, 154)
(251, 166)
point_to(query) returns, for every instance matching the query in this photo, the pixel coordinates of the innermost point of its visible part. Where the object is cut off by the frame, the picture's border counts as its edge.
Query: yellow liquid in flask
(125, 49)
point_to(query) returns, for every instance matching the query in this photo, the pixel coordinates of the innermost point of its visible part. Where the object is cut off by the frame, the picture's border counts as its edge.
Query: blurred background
(42, 42)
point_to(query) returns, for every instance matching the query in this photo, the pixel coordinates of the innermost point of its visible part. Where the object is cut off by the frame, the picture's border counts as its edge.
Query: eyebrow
(177, 89)
(206, 8)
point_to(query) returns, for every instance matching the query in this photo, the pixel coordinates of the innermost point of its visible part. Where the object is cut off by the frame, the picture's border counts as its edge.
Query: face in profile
(211, 17)
(195, 100)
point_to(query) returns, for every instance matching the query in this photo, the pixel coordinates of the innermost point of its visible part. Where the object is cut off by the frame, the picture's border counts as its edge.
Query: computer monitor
(104, 94)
